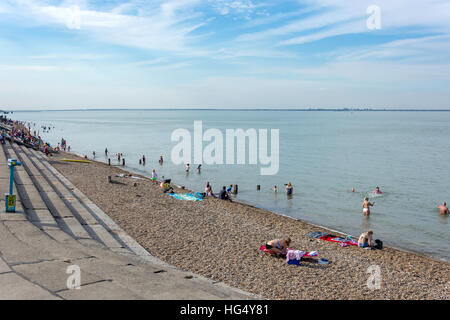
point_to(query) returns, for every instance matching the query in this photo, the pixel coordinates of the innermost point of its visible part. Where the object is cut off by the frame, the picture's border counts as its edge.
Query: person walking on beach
(365, 239)
(279, 246)
(289, 188)
(366, 206)
(443, 208)
(154, 176)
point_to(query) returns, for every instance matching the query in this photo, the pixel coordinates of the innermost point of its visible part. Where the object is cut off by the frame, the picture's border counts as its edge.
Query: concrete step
(80, 205)
(41, 202)
(35, 252)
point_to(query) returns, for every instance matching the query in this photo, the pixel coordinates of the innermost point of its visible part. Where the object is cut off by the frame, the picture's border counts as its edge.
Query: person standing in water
(187, 167)
(366, 206)
(161, 160)
(443, 208)
(289, 188)
(106, 152)
(143, 160)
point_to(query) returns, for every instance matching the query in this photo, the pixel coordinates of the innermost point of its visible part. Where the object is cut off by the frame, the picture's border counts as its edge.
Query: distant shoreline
(242, 109)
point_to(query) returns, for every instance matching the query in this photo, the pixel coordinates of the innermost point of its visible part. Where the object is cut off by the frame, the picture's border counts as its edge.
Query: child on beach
(154, 175)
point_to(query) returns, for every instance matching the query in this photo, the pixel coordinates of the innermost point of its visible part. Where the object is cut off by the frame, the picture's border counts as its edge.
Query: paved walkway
(60, 245)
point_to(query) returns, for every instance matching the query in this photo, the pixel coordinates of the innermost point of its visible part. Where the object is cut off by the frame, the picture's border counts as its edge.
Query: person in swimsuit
(161, 160)
(154, 175)
(377, 190)
(366, 204)
(278, 246)
(289, 188)
(187, 167)
(275, 189)
(365, 239)
(208, 189)
(443, 209)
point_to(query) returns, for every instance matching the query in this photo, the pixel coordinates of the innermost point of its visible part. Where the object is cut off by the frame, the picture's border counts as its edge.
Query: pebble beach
(220, 240)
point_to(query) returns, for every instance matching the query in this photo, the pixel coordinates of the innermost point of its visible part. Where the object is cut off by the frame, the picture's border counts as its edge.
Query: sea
(324, 154)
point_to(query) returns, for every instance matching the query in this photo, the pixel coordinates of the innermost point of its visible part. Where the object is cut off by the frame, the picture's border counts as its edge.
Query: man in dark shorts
(223, 194)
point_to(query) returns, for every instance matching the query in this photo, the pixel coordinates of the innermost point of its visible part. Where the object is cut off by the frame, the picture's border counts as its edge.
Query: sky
(224, 54)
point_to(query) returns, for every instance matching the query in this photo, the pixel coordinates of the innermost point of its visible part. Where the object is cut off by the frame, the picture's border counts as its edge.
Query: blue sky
(225, 54)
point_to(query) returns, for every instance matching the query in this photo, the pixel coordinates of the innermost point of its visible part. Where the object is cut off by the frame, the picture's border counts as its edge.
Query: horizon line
(235, 109)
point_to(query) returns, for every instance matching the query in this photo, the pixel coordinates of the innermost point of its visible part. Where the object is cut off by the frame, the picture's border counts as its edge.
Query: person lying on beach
(443, 209)
(365, 239)
(278, 246)
(366, 204)
(224, 195)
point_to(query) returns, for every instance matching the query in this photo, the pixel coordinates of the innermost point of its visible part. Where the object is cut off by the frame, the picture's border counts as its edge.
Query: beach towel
(271, 252)
(294, 256)
(316, 234)
(185, 196)
(340, 240)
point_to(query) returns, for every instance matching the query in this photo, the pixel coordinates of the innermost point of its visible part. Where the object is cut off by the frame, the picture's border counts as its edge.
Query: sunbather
(278, 246)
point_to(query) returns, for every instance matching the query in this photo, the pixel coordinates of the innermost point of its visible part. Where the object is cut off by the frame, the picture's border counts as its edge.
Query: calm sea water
(323, 154)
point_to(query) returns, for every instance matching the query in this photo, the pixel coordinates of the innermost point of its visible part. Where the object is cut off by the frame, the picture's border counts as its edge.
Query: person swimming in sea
(377, 190)
(366, 206)
(443, 208)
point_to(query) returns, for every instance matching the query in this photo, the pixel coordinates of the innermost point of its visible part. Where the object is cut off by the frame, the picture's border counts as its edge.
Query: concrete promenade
(60, 245)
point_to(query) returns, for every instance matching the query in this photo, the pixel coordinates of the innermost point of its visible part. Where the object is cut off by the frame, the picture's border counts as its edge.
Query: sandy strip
(220, 240)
